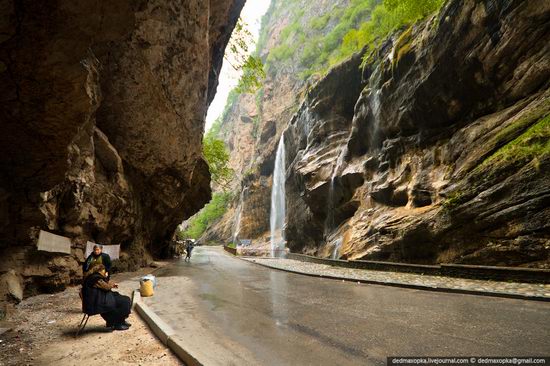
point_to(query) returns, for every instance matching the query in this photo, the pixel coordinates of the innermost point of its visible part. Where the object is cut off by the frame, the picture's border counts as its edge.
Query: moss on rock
(531, 144)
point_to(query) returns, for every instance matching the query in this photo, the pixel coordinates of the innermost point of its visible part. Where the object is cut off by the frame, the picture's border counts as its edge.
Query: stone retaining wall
(450, 270)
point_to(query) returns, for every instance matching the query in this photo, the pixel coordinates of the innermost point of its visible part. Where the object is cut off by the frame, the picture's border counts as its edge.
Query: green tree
(217, 157)
(211, 212)
(239, 59)
(252, 77)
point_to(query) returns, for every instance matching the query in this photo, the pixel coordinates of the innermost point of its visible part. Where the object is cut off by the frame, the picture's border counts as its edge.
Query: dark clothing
(189, 250)
(123, 304)
(97, 298)
(103, 258)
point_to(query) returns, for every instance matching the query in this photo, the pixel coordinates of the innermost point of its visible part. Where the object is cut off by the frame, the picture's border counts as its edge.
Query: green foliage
(314, 49)
(532, 144)
(215, 129)
(321, 22)
(240, 59)
(362, 23)
(207, 216)
(259, 98)
(292, 29)
(252, 77)
(453, 200)
(239, 43)
(217, 157)
(282, 52)
(409, 11)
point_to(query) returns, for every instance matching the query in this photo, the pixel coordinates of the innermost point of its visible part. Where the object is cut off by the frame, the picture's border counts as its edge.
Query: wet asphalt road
(231, 312)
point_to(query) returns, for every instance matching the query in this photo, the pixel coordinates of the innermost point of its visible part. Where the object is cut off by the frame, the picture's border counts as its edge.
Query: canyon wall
(103, 107)
(433, 150)
(253, 124)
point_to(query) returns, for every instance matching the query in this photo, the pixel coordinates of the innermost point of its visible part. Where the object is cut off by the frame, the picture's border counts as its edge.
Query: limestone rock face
(102, 113)
(253, 126)
(437, 152)
(12, 284)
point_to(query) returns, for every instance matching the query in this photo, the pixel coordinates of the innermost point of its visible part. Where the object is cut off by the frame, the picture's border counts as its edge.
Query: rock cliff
(434, 150)
(253, 124)
(102, 111)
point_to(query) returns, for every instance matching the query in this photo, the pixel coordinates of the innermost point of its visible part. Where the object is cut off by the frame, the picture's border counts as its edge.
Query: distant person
(98, 298)
(190, 246)
(98, 257)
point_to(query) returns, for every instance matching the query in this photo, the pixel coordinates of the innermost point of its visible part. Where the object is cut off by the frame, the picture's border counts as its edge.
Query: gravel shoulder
(41, 332)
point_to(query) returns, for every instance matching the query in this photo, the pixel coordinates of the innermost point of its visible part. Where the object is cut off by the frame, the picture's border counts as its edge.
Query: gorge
(432, 147)
(425, 140)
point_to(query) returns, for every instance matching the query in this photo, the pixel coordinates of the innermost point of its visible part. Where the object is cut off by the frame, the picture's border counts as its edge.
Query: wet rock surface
(431, 152)
(418, 160)
(253, 145)
(102, 110)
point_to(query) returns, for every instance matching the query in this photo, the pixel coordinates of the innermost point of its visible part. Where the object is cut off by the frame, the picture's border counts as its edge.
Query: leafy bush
(282, 52)
(212, 211)
(321, 22)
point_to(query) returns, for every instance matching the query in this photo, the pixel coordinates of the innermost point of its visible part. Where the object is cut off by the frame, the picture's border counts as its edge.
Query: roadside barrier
(532, 275)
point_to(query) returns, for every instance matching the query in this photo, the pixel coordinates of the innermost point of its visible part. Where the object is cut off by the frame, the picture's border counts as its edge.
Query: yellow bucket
(146, 288)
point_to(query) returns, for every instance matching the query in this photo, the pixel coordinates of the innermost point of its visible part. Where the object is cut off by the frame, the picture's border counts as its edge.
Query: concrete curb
(409, 285)
(136, 297)
(164, 332)
(176, 346)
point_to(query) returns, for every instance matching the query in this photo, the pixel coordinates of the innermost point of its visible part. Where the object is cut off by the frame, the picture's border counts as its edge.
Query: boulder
(11, 284)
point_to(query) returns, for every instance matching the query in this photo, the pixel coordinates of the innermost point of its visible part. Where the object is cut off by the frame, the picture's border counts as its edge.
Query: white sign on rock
(49, 242)
(112, 250)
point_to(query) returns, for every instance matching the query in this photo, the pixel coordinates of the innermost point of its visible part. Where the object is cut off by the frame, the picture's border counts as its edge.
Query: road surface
(231, 312)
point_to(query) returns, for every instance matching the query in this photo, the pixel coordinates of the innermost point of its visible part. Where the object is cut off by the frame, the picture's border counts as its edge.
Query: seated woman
(98, 298)
(97, 256)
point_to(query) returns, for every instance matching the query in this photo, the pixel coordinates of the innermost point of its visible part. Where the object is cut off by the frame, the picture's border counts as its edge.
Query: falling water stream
(277, 215)
(329, 222)
(336, 249)
(374, 104)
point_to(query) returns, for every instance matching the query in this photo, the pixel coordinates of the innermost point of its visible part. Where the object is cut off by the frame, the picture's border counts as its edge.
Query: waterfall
(374, 104)
(336, 249)
(329, 222)
(277, 215)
